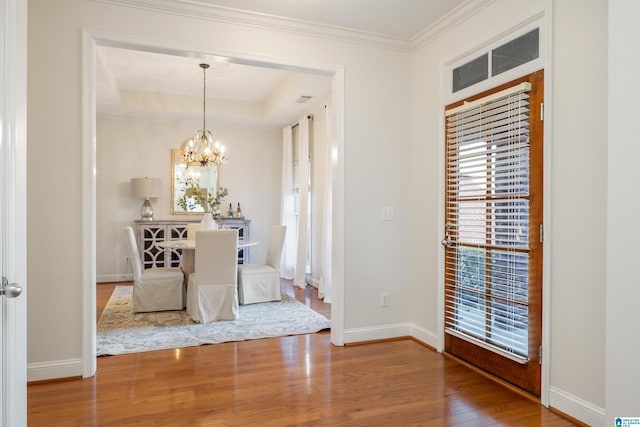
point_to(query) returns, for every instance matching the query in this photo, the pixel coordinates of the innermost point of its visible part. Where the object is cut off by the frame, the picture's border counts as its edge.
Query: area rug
(120, 331)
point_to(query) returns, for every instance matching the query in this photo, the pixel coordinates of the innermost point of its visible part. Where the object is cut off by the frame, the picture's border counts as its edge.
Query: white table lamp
(146, 188)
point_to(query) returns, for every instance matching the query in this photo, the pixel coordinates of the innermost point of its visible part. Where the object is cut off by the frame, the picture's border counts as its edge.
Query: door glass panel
(488, 209)
(469, 301)
(509, 300)
(492, 307)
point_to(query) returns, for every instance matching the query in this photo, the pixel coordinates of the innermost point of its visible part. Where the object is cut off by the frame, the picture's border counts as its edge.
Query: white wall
(575, 231)
(579, 173)
(623, 233)
(377, 107)
(129, 148)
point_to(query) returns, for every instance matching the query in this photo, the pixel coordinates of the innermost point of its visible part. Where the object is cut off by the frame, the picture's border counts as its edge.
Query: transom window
(519, 51)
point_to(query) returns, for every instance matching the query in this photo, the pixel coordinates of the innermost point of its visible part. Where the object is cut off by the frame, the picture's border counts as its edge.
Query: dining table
(188, 247)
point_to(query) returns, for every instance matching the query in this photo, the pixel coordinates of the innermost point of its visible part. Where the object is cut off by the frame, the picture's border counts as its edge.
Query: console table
(149, 233)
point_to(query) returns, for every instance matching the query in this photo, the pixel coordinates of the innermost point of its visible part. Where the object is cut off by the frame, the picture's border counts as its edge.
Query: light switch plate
(386, 213)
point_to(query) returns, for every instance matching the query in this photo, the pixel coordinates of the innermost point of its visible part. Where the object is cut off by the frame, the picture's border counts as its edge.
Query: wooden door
(493, 230)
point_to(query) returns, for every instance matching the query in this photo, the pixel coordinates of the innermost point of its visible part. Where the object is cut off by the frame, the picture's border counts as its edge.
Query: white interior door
(13, 97)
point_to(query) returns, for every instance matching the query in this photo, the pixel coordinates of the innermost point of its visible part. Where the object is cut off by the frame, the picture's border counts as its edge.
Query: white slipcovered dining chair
(212, 291)
(191, 230)
(154, 289)
(261, 282)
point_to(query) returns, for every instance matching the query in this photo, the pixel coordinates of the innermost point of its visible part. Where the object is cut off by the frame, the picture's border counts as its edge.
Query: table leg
(188, 262)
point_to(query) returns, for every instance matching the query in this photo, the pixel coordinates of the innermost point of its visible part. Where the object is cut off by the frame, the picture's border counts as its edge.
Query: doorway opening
(91, 41)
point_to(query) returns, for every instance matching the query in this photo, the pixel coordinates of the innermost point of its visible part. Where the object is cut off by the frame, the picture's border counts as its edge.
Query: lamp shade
(143, 188)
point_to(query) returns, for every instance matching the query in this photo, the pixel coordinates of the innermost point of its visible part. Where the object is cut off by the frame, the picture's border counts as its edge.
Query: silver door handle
(10, 290)
(447, 242)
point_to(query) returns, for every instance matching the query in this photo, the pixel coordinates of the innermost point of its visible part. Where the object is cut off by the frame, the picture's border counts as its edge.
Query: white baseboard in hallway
(108, 278)
(575, 407)
(54, 369)
(377, 332)
(394, 330)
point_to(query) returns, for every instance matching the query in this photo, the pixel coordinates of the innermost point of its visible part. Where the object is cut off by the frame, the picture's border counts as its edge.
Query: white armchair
(154, 289)
(261, 282)
(212, 292)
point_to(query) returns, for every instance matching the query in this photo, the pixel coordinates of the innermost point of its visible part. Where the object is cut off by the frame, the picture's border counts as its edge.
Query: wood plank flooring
(289, 381)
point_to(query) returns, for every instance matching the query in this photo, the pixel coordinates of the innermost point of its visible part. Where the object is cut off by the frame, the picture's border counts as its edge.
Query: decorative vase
(216, 213)
(208, 223)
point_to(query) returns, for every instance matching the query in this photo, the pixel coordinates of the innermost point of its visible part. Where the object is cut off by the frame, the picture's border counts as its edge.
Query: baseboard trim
(425, 336)
(394, 330)
(54, 370)
(377, 332)
(575, 407)
(103, 278)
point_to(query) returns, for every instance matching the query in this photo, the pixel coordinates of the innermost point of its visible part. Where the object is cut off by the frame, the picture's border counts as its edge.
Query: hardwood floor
(296, 380)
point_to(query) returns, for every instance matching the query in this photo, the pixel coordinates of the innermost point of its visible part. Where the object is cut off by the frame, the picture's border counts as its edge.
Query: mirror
(192, 187)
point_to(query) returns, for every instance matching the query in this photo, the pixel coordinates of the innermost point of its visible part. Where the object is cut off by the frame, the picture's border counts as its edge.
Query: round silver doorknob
(10, 290)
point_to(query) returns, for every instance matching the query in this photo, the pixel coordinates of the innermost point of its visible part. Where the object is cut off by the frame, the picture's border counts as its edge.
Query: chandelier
(201, 150)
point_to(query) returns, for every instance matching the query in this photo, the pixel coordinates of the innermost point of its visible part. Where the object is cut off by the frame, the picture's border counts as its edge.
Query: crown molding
(202, 10)
(448, 21)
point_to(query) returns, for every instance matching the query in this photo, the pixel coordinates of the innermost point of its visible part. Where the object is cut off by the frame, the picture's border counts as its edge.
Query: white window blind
(487, 215)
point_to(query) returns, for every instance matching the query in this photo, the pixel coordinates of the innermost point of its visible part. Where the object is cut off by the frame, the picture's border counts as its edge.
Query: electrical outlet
(384, 299)
(386, 213)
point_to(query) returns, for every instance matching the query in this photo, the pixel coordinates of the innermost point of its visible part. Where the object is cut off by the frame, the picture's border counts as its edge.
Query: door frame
(544, 18)
(13, 15)
(93, 38)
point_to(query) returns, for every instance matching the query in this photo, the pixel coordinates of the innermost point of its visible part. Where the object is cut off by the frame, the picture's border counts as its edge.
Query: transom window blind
(487, 222)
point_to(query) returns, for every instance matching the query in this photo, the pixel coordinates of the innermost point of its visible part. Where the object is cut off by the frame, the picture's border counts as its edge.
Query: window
(519, 51)
(488, 210)
(471, 73)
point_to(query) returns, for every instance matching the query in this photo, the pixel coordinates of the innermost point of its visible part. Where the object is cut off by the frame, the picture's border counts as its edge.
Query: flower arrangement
(214, 202)
(194, 196)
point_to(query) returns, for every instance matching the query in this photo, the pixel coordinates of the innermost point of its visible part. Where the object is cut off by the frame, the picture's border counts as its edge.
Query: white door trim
(13, 254)
(89, 362)
(92, 38)
(545, 19)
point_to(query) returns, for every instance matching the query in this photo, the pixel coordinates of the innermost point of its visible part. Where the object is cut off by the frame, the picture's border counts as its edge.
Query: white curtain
(288, 208)
(324, 282)
(295, 210)
(299, 274)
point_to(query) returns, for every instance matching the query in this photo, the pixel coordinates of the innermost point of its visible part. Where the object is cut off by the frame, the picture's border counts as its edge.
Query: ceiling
(159, 86)
(395, 18)
(163, 86)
